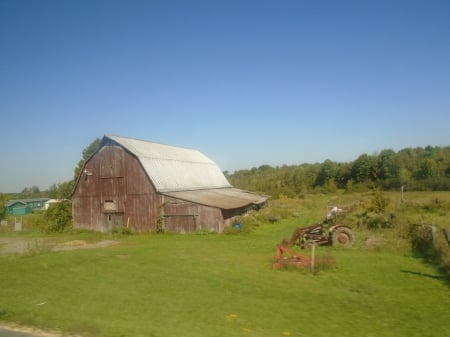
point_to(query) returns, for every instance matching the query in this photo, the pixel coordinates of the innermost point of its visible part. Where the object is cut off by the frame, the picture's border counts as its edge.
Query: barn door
(113, 221)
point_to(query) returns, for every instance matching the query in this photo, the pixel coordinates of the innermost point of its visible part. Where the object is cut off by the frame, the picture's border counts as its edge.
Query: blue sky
(245, 82)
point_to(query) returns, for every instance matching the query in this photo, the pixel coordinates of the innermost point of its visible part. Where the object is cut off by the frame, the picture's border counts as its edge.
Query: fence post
(313, 253)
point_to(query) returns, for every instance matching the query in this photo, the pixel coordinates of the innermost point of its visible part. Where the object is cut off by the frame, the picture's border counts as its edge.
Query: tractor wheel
(342, 237)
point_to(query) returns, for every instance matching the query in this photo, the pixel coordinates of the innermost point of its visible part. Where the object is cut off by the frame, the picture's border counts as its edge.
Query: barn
(146, 186)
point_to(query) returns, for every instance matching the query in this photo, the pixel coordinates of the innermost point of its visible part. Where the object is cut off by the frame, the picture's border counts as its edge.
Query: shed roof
(173, 168)
(15, 202)
(224, 198)
(25, 201)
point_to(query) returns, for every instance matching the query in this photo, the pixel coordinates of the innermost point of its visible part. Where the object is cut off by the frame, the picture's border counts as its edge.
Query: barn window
(110, 205)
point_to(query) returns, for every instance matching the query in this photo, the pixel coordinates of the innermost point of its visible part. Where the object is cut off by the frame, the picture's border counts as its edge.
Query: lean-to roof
(224, 198)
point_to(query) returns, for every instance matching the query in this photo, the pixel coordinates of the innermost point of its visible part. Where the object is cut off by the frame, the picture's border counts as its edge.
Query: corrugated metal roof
(224, 198)
(174, 168)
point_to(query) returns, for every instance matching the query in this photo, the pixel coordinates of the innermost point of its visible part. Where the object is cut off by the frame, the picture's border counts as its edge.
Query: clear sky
(245, 82)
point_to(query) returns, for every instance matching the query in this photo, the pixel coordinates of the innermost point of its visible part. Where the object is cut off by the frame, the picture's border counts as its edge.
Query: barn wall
(142, 203)
(115, 192)
(185, 217)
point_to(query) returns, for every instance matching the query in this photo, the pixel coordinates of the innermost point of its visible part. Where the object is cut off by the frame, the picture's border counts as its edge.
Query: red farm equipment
(336, 235)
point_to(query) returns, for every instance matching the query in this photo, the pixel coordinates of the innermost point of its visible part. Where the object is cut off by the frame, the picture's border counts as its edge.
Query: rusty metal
(305, 237)
(292, 259)
(338, 235)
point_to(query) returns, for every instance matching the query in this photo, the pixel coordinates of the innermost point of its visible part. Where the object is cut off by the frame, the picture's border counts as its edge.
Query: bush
(59, 217)
(373, 213)
(430, 243)
(421, 239)
(379, 202)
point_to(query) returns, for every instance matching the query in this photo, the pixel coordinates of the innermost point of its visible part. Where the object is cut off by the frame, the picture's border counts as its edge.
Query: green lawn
(222, 285)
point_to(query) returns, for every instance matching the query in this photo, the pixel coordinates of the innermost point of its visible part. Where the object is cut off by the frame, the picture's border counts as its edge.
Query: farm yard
(204, 284)
(225, 169)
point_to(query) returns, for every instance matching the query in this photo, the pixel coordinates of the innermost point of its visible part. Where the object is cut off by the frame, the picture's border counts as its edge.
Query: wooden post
(17, 225)
(313, 253)
(433, 233)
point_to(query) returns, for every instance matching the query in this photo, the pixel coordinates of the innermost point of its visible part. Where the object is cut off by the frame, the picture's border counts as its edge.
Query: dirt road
(12, 333)
(13, 330)
(10, 245)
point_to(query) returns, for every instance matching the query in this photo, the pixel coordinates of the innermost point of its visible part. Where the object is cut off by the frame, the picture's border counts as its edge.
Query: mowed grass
(223, 285)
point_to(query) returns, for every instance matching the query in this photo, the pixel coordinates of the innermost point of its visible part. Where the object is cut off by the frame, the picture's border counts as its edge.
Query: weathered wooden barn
(146, 186)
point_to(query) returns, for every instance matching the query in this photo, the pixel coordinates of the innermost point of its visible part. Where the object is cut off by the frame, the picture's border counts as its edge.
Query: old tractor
(336, 235)
(333, 233)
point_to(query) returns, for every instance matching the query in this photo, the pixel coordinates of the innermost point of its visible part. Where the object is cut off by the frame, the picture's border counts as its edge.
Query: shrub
(430, 243)
(421, 239)
(160, 225)
(379, 202)
(59, 217)
(373, 213)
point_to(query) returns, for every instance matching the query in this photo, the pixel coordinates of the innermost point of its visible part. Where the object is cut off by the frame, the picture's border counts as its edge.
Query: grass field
(224, 285)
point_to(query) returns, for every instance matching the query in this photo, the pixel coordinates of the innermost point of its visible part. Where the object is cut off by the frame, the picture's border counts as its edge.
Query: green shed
(18, 207)
(25, 206)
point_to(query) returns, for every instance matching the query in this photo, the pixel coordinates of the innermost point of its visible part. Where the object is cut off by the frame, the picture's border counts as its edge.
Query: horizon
(247, 83)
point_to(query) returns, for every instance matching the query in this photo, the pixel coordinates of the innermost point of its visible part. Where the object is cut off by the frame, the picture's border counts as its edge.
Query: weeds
(36, 247)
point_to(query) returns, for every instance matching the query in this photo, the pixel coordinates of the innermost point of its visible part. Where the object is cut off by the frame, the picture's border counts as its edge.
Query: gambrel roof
(185, 173)
(173, 168)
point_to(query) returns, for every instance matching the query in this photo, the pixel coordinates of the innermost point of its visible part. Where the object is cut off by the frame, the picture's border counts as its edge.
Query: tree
(417, 168)
(30, 192)
(327, 172)
(404, 176)
(388, 169)
(65, 189)
(427, 169)
(61, 191)
(87, 153)
(2, 205)
(363, 169)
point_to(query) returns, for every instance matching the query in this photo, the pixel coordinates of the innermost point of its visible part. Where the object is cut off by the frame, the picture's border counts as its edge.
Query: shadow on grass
(436, 277)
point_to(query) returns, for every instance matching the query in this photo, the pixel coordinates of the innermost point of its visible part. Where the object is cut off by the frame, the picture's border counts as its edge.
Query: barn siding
(115, 192)
(185, 217)
(142, 201)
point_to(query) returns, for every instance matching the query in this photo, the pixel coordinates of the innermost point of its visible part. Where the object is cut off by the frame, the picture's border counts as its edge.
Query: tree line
(411, 168)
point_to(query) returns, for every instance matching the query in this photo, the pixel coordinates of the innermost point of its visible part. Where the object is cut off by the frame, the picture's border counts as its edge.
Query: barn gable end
(146, 186)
